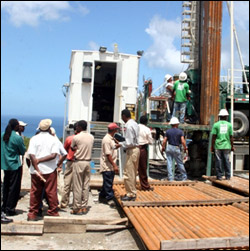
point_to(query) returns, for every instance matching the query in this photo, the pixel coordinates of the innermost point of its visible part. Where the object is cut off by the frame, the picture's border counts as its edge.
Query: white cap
(223, 112)
(182, 76)
(174, 121)
(21, 123)
(167, 77)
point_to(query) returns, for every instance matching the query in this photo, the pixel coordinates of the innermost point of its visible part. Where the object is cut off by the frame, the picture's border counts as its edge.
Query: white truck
(101, 85)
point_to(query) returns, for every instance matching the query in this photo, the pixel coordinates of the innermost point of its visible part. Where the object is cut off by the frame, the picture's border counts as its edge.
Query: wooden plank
(182, 202)
(64, 228)
(234, 183)
(83, 221)
(22, 228)
(205, 243)
(105, 227)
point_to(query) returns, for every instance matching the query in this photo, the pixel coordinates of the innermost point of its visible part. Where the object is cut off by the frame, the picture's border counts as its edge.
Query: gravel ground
(126, 239)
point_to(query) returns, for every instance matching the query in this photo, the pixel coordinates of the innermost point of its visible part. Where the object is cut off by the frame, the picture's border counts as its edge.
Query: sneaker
(219, 178)
(127, 198)
(111, 203)
(37, 218)
(84, 210)
(76, 212)
(5, 220)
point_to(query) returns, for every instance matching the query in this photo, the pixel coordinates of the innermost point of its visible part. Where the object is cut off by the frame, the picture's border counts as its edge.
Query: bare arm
(109, 156)
(213, 142)
(232, 143)
(164, 144)
(183, 142)
(47, 158)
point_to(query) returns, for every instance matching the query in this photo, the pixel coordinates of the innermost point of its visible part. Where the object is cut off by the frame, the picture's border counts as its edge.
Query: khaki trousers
(68, 175)
(130, 171)
(81, 178)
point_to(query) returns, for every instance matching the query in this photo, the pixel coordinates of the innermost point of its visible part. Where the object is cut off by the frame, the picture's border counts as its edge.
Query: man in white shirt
(132, 155)
(145, 138)
(43, 149)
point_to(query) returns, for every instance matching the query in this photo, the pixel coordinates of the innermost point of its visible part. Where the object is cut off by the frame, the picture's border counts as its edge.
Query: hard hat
(223, 112)
(182, 76)
(174, 121)
(167, 77)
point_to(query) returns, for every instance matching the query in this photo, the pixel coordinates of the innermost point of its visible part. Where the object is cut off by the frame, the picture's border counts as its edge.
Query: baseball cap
(21, 123)
(44, 124)
(113, 126)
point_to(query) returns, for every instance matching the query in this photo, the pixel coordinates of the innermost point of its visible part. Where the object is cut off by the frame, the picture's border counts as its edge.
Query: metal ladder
(190, 32)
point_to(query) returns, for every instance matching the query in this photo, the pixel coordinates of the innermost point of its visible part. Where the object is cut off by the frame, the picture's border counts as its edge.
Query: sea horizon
(33, 122)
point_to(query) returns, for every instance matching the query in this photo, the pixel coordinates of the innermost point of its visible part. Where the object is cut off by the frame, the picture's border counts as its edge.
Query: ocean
(33, 122)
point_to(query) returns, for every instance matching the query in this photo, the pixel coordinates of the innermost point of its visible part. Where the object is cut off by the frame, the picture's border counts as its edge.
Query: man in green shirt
(12, 146)
(222, 144)
(181, 95)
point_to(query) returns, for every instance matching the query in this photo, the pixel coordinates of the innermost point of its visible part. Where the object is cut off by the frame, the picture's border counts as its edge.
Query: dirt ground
(125, 239)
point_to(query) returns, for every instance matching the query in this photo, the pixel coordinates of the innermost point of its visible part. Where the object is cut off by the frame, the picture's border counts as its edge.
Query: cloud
(93, 46)
(241, 21)
(32, 12)
(241, 14)
(163, 53)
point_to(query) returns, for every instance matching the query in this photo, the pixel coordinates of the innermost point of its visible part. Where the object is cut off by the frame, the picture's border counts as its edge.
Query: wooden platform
(237, 184)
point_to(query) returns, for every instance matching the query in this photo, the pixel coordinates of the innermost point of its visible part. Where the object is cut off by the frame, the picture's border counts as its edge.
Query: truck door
(104, 91)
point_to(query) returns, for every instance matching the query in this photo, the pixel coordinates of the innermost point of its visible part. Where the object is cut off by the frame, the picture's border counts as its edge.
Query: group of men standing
(44, 151)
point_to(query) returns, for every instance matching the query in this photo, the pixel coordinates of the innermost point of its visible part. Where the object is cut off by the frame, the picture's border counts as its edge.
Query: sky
(37, 38)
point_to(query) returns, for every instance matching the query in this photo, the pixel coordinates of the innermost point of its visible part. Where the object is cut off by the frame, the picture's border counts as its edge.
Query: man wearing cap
(169, 94)
(131, 145)
(222, 144)
(82, 144)
(175, 138)
(181, 95)
(43, 149)
(108, 166)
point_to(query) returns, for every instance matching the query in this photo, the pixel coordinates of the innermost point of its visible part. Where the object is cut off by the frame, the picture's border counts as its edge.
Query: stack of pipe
(211, 54)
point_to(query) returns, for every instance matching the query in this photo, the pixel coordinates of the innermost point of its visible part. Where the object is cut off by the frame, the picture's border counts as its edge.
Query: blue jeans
(179, 109)
(107, 191)
(174, 152)
(222, 161)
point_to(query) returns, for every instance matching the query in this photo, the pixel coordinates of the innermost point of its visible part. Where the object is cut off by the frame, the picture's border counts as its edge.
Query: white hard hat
(182, 76)
(174, 121)
(223, 112)
(167, 77)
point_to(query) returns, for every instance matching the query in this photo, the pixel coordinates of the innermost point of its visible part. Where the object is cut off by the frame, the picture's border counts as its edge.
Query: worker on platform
(175, 138)
(181, 95)
(108, 166)
(222, 144)
(170, 95)
(82, 144)
(131, 147)
(145, 138)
